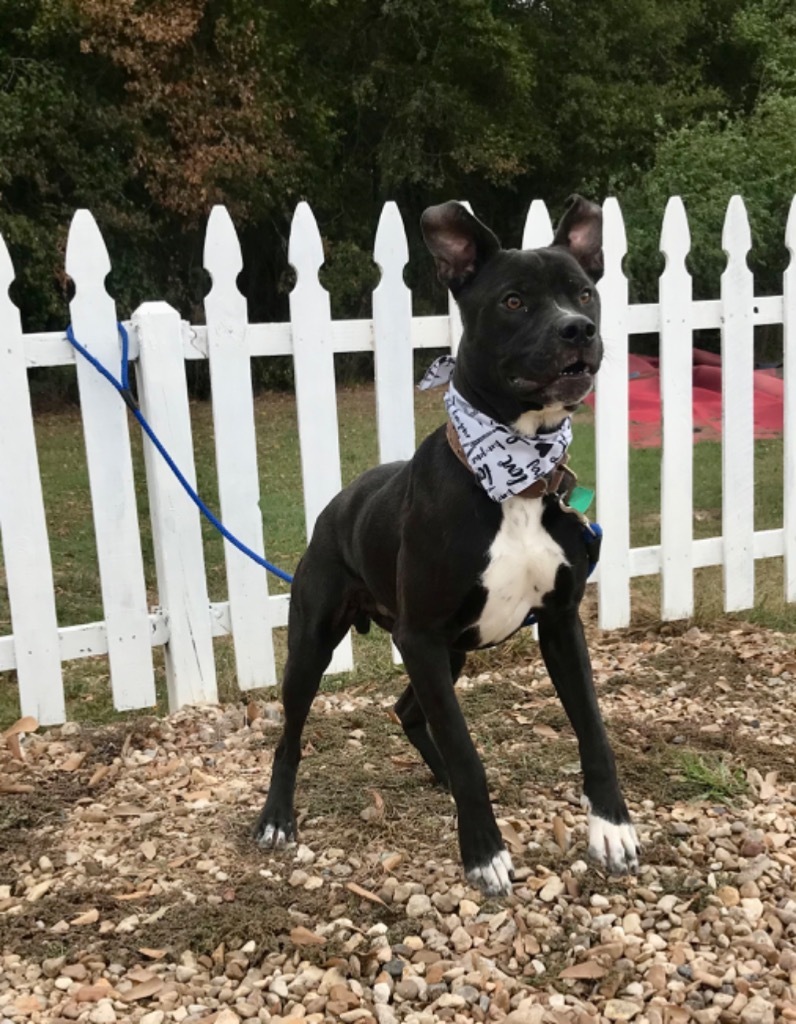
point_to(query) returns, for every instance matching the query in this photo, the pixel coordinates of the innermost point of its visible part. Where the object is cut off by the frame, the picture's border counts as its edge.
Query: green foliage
(149, 113)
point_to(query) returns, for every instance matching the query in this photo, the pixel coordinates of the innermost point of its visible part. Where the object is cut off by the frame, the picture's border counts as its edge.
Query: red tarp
(645, 400)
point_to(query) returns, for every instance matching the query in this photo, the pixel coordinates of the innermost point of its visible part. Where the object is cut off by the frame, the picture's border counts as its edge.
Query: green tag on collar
(581, 498)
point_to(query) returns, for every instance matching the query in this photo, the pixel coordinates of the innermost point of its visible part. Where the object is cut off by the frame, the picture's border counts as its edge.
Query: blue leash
(592, 532)
(123, 387)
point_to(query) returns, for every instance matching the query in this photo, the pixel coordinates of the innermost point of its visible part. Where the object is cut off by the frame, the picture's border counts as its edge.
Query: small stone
(468, 909)
(553, 887)
(752, 908)
(621, 1009)
(729, 895)
(103, 1013)
(381, 992)
(155, 1017)
(52, 966)
(418, 905)
(407, 990)
(461, 939)
(758, 1011)
(598, 900)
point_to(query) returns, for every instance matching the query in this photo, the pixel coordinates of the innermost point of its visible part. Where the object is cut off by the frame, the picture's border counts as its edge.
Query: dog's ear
(458, 241)
(580, 231)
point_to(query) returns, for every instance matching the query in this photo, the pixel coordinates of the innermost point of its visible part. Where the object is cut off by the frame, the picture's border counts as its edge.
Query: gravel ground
(130, 891)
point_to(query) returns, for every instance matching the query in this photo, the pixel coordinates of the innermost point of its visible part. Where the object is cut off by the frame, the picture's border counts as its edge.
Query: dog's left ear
(458, 241)
(580, 231)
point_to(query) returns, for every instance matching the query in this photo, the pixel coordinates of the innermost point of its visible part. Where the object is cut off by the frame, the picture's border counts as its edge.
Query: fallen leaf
(152, 954)
(139, 894)
(148, 849)
(546, 732)
(15, 747)
(74, 761)
(588, 969)
(89, 917)
(99, 774)
(391, 861)
(14, 787)
(510, 836)
(145, 990)
(22, 725)
(127, 811)
(301, 936)
(366, 894)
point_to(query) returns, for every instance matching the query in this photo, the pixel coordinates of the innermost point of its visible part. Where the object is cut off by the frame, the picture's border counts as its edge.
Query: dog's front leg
(612, 837)
(428, 662)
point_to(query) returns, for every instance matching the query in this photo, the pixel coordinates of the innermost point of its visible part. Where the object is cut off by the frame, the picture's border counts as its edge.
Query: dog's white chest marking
(523, 562)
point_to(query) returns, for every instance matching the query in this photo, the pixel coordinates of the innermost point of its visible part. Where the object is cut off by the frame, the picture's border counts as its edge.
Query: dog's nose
(577, 330)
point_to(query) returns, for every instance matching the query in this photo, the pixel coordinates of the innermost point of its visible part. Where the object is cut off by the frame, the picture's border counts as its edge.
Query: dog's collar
(506, 462)
(560, 480)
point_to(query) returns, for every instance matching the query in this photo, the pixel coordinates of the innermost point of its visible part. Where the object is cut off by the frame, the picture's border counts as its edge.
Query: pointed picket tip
(538, 230)
(7, 274)
(86, 254)
(305, 248)
(736, 236)
(222, 256)
(790, 230)
(614, 237)
(390, 246)
(675, 233)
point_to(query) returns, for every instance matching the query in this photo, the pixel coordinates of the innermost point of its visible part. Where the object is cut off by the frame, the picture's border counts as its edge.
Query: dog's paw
(274, 831)
(494, 876)
(614, 845)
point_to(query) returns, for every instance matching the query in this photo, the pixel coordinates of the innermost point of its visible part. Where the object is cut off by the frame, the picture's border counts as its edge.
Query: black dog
(419, 548)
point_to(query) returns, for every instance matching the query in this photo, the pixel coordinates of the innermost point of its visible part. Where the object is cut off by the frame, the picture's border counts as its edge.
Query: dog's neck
(529, 422)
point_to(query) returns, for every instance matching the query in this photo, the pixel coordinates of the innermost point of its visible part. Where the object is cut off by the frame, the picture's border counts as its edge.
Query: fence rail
(185, 622)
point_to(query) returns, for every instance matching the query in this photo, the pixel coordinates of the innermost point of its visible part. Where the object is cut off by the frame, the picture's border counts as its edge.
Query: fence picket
(236, 453)
(737, 411)
(538, 230)
(316, 397)
(392, 325)
(176, 532)
(611, 429)
(789, 425)
(677, 462)
(23, 528)
(110, 471)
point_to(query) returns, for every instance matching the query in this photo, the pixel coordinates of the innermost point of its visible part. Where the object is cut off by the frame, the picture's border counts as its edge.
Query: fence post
(392, 326)
(316, 395)
(789, 425)
(737, 412)
(176, 531)
(23, 528)
(236, 454)
(110, 471)
(611, 429)
(538, 230)
(677, 457)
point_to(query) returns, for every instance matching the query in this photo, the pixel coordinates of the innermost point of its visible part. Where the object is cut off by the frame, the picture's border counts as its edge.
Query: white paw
(494, 877)
(615, 847)
(272, 838)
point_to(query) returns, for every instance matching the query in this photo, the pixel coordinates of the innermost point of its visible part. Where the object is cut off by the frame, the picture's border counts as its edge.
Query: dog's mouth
(576, 372)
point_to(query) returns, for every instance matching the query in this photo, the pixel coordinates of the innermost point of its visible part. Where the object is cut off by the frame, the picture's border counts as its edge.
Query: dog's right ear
(458, 241)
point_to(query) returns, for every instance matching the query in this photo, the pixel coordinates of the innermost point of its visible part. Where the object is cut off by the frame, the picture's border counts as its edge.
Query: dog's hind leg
(313, 634)
(414, 723)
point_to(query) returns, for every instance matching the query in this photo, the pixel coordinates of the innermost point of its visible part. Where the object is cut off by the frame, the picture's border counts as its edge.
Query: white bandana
(504, 461)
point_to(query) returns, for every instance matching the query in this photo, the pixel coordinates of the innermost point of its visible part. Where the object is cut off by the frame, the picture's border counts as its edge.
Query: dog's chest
(523, 562)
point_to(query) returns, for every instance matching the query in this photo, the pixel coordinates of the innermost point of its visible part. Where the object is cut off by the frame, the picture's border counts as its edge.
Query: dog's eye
(513, 302)
(586, 296)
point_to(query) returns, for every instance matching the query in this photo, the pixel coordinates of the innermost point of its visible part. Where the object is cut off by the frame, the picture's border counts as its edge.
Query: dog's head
(531, 317)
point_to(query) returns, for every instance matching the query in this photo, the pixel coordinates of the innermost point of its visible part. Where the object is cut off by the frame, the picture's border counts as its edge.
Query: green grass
(713, 777)
(65, 481)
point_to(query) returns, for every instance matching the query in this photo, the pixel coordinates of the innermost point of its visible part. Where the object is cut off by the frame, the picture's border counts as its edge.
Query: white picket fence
(185, 622)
